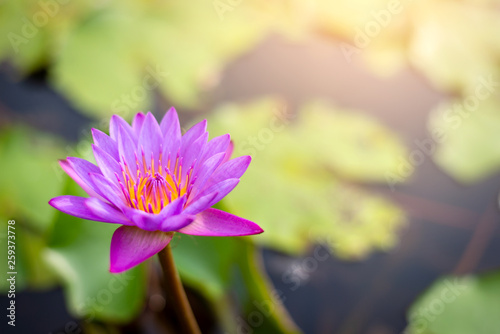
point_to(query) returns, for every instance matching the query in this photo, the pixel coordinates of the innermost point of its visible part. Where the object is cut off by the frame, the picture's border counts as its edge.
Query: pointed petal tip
(172, 112)
(217, 223)
(51, 202)
(258, 230)
(115, 270)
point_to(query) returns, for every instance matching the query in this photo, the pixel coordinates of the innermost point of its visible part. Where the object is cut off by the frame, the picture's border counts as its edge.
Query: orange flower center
(156, 186)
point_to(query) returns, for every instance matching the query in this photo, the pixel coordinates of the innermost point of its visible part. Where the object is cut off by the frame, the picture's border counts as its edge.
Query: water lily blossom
(154, 181)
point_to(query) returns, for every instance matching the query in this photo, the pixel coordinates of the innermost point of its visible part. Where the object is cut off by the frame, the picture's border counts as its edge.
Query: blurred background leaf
(30, 178)
(299, 172)
(470, 147)
(211, 265)
(458, 305)
(33, 156)
(78, 251)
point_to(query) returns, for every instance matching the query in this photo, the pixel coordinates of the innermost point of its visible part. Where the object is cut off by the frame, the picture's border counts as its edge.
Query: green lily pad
(98, 68)
(30, 178)
(113, 57)
(31, 175)
(453, 43)
(454, 305)
(79, 253)
(469, 148)
(217, 266)
(24, 41)
(296, 188)
(27, 262)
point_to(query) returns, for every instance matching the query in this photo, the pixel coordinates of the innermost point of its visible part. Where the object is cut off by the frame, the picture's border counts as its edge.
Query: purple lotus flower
(155, 181)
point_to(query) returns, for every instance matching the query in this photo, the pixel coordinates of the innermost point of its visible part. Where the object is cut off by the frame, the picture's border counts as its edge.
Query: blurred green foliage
(109, 57)
(236, 265)
(458, 305)
(30, 161)
(303, 185)
(470, 148)
(78, 251)
(30, 178)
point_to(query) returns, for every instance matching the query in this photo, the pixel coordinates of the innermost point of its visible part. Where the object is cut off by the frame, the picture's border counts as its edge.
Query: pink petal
(110, 168)
(213, 222)
(172, 133)
(116, 123)
(84, 181)
(192, 135)
(221, 189)
(137, 122)
(233, 169)
(215, 146)
(229, 151)
(131, 246)
(192, 152)
(150, 140)
(126, 149)
(177, 222)
(171, 129)
(89, 208)
(107, 212)
(153, 222)
(207, 169)
(109, 190)
(201, 204)
(106, 143)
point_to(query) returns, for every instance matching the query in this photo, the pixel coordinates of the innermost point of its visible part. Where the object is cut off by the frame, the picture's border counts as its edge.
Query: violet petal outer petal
(215, 146)
(143, 220)
(131, 246)
(114, 126)
(153, 222)
(221, 189)
(213, 222)
(171, 130)
(229, 151)
(207, 169)
(84, 183)
(150, 140)
(110, 168)
(177, 222)
(192, 152)
(108, 212)
(193, 134)
(201, 204)
(233, 169)
(110, 191)
(126, 149)
(88, 208)
(106, 143)
(173, 208)
(137, 122)
(84, 169)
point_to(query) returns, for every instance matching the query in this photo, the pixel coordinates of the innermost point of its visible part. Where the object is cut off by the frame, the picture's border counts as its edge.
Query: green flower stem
(175, 291)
